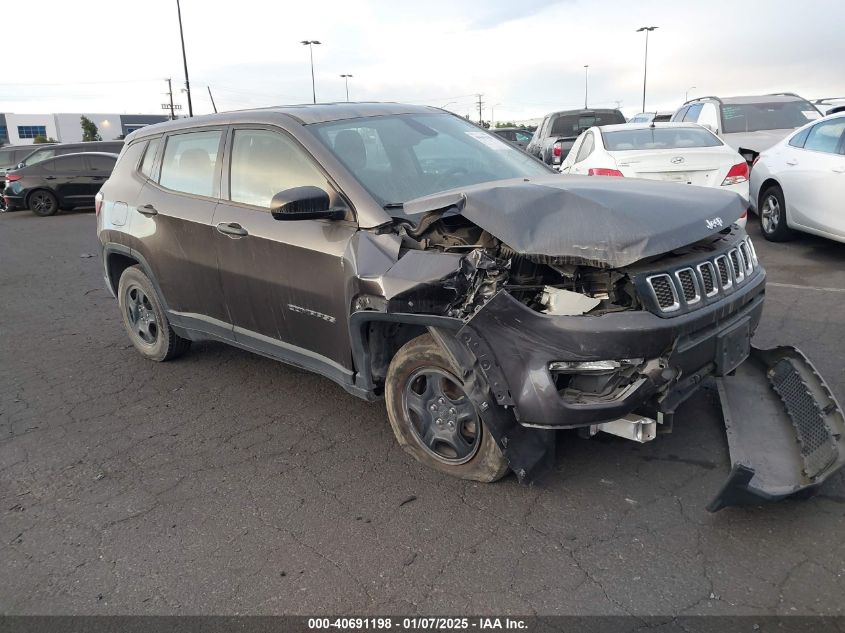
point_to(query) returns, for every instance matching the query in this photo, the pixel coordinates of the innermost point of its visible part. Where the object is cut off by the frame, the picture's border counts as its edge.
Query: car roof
(583, 111)
(109, 154)
(80, 144)
(305, 114)
(505, 129)
(748, 99)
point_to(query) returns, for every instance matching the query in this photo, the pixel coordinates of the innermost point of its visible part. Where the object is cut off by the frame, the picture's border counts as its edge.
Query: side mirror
(304, 203)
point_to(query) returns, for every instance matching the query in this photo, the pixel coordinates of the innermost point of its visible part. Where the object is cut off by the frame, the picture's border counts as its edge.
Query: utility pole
(210, 96)
(586, 85)
(647, 29)
(310, 45)
(170, 94)
(185, 61)
(480, 103)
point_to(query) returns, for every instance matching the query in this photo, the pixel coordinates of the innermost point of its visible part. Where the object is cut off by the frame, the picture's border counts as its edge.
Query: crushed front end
(583, 342)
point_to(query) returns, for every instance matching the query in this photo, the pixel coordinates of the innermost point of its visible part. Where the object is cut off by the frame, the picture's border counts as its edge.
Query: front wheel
(773, 215)
(144, 318)
(434, 419)
(43, 203)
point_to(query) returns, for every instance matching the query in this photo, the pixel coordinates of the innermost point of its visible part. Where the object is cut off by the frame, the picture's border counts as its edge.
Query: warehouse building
(21, 129)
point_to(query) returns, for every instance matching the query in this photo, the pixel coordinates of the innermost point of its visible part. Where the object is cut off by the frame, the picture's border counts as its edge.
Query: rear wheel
(43, 203)
(144, 318)
(434, 419)
(773, 215)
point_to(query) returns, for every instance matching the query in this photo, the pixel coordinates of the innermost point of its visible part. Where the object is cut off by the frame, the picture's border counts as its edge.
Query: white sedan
(672, 152)
(799, 184)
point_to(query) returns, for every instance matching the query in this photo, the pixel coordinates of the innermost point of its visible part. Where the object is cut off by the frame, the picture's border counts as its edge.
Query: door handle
(232, 229)
(792, 161)
(49, 177)
(147, 210)
(840, 169)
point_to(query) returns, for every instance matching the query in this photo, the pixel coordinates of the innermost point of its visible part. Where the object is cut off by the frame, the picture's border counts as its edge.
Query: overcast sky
(527, 56)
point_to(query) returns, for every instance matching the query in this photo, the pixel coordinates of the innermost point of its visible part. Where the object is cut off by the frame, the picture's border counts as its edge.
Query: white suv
(750, 124)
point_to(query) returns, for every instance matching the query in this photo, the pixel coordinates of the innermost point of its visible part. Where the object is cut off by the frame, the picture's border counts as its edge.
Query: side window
(586, 147)
(799, 139)
(522, 137)
(692, 113)
(189, 160)
(149, 158)
(69, 164)
(679, 115)
(266, 162)
(825, 137)
(100, 163)
(709, 116)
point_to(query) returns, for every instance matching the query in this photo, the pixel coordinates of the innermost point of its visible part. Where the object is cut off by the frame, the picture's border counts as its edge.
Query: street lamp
(686, 93)
(586, 70)
(346, 81)
(309, 44)
(647, 30)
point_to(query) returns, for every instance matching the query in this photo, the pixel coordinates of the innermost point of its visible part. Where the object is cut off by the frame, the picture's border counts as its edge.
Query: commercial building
(21, 129)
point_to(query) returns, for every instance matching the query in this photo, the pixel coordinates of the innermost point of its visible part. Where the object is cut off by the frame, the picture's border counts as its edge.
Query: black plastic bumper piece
(786, 432)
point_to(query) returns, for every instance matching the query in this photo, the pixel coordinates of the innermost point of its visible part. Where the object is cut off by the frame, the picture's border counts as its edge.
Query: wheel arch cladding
(116, 263)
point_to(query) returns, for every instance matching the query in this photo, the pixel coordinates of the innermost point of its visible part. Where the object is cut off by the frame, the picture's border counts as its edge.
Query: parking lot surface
(227, 483)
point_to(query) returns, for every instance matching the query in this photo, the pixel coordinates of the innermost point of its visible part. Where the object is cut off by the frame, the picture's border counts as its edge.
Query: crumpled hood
(602, 221)
(756, 141)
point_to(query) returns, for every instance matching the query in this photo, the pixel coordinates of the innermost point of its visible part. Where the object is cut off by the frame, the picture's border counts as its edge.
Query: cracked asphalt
(227, 483)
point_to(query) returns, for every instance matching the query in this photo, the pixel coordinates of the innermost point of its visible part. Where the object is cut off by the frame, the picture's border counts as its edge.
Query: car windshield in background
(574, 124)
(402, 157)
(751, 117)
(659, 138)
(40, 155)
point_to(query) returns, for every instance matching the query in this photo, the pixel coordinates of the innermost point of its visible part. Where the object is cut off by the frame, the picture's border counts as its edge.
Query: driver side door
(285, 283)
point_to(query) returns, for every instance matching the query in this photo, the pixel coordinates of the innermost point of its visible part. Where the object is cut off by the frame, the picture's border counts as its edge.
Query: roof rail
(785, 94)
(828, 99)
(702, 98)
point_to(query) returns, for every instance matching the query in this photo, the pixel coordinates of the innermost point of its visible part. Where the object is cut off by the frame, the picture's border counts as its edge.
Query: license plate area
(732, 347)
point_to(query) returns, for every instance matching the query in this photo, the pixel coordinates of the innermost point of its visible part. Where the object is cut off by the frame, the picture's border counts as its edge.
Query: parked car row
(48, 177)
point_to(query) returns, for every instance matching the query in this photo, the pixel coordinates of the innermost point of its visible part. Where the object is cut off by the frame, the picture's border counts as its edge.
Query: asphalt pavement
(227, 483)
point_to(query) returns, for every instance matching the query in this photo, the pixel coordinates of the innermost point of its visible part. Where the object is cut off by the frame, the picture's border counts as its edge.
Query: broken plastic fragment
(566, 303)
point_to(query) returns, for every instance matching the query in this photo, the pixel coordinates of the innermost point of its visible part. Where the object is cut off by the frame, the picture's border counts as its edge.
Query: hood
(756, 141)
(599, 221)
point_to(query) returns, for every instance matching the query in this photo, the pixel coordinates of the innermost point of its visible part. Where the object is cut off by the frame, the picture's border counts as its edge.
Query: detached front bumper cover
(786, 432)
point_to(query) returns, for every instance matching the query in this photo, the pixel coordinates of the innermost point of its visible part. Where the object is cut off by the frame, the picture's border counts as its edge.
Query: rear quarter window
(128, 160)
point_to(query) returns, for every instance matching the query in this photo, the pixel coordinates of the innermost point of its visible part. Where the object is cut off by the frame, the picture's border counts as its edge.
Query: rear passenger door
(285, 282)
(98, 170)
(173, 231)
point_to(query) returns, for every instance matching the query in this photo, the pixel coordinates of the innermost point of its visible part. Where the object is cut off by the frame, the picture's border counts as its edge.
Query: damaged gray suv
(408, 255)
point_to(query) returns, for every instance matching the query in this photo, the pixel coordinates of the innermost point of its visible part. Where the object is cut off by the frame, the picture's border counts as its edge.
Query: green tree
(89, 130)
(40, 139)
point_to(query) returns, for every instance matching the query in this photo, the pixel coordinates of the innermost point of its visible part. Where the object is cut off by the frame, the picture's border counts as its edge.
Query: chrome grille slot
(736, 265)
(689, 285)
(664, 292)
(724, 274)
(746, 256)
(708, 277)
(752, 250)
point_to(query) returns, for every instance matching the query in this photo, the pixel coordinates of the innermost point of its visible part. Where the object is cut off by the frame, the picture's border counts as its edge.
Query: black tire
(772, 215)
(453, 416)
(145, 320)
(43, 203)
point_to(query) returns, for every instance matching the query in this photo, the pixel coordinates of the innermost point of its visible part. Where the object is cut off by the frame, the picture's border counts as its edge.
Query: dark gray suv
(406, 254)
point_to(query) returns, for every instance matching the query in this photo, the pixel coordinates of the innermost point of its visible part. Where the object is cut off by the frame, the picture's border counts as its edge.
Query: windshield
(658, 138)
(402, 157)
(751, 117)
(573, 124)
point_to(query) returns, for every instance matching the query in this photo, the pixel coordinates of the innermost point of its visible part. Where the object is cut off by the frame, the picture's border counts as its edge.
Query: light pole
(686, 93)
(586, 85)
(309, 44)
(647, 30)
(346, 81)
(184, 60)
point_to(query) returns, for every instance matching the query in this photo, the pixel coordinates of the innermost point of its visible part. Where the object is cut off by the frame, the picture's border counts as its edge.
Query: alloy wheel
(141, 315)
(770, 214)
(42, 202)
(441, 415)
